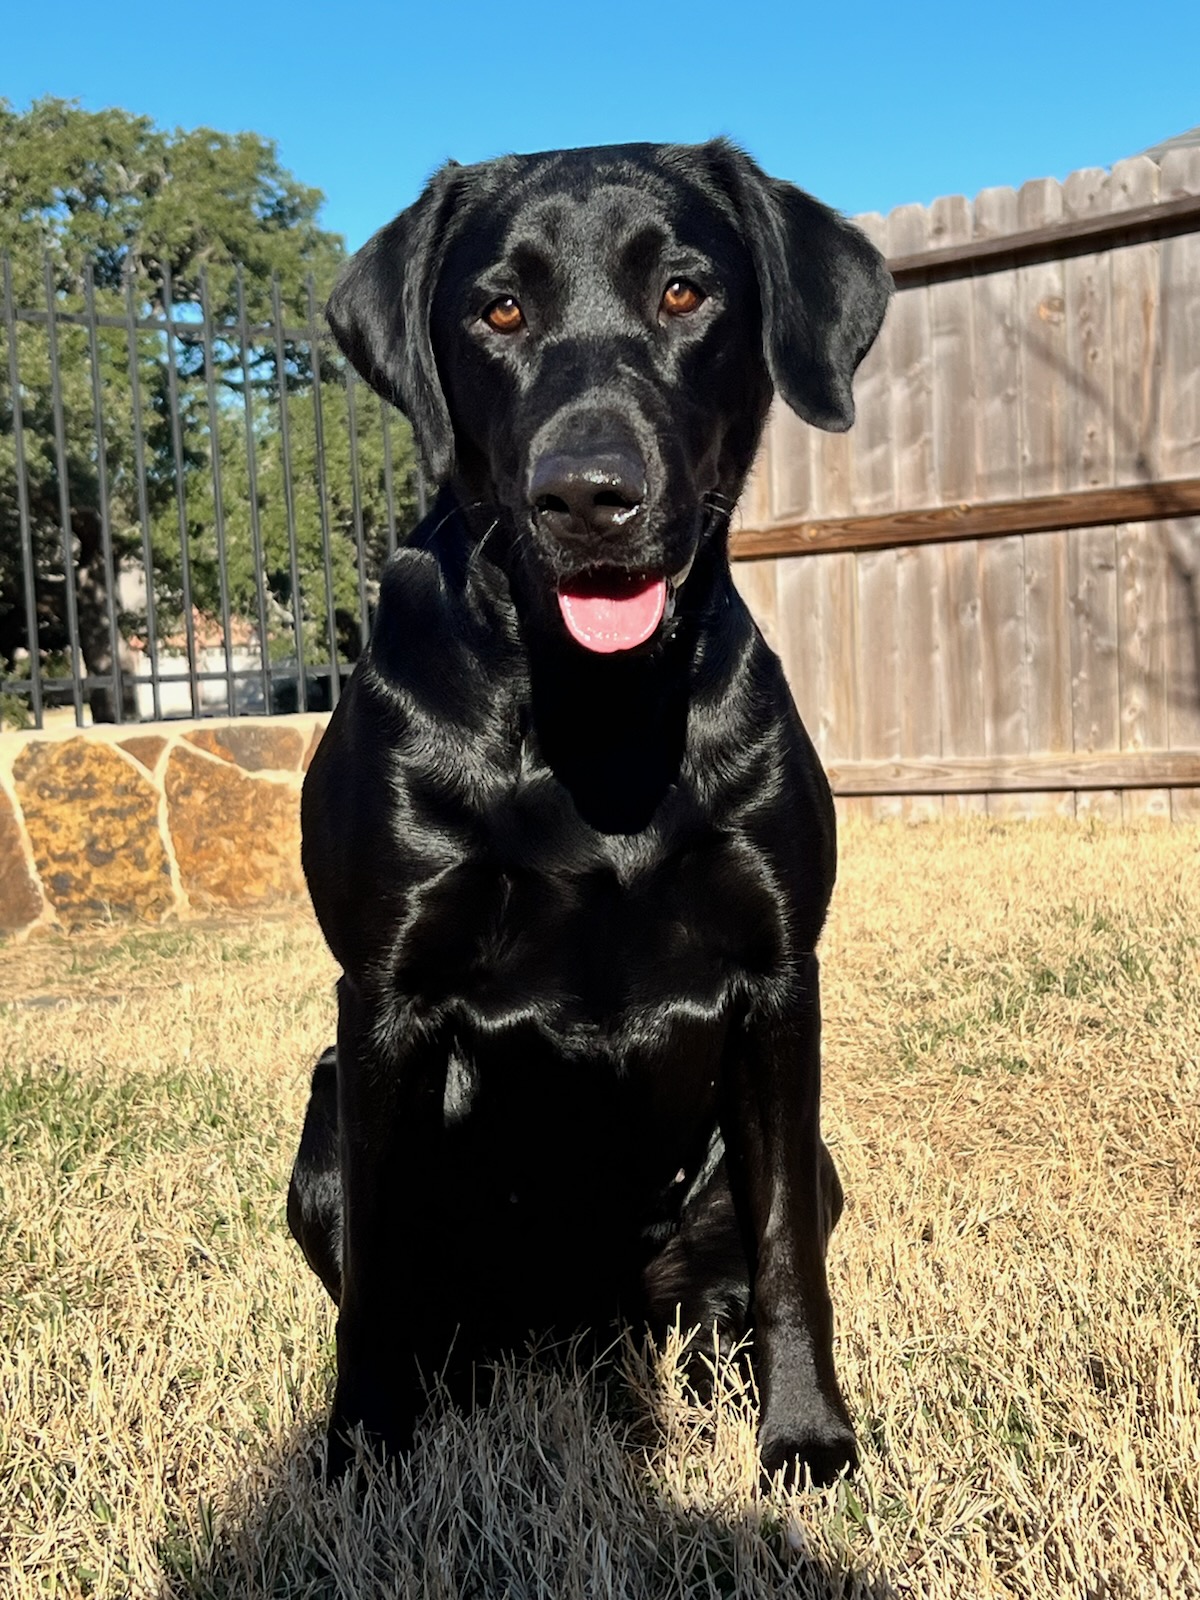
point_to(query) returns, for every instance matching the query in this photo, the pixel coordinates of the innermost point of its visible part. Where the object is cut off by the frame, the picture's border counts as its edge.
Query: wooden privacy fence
(987, 594)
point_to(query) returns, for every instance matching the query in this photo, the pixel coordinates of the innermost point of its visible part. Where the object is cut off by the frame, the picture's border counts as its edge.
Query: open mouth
(610, 611)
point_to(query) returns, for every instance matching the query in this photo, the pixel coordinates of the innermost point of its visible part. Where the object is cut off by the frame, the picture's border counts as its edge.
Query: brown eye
(505, 315)
(681, 298)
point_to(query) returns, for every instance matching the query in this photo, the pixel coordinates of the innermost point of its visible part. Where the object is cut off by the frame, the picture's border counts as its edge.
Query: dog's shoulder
(758, 776)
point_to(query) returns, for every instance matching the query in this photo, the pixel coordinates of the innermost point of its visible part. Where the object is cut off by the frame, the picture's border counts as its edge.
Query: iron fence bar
(17, 686)
(214, 456)
(184, 328)
(422, 497)
(252, 477)
(139, 459)
(388, 479)
(110, 579)
(322, 505)
(189, 625)
(64, 489)
(100, 680)
(356, 505)
(28, 570)
(289, 494)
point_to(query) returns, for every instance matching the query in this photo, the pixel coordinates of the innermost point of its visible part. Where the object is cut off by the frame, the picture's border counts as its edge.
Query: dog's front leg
(787, 1197)
(391, 1083)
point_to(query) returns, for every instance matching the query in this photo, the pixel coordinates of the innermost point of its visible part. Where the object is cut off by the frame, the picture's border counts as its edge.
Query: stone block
(312, 746)
(20, 897)
(146, 748)
(255, 746)
(92, 821)
(236, 838)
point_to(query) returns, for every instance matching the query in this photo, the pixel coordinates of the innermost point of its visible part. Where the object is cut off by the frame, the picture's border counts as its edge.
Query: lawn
(1013, 1098)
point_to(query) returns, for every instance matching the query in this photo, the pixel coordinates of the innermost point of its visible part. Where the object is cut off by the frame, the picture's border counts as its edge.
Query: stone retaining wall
(151, 820)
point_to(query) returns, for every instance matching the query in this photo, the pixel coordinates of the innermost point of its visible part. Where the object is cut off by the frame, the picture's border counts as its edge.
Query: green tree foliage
(135, 221)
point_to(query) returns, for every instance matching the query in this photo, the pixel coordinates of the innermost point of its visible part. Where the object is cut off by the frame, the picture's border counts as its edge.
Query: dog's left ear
(823, 285)
(379, 314)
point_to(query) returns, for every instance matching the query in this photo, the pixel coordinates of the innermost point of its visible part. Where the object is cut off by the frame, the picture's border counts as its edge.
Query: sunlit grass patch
(1013, 1096)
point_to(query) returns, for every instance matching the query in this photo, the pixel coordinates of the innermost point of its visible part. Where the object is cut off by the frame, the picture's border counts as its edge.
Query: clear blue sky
(867, 104)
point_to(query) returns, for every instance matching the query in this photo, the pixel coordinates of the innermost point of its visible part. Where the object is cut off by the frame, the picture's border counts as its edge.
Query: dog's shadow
(577, 1476)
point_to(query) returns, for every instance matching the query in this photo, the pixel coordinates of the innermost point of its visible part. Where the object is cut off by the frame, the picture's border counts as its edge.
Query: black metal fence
(195, 501)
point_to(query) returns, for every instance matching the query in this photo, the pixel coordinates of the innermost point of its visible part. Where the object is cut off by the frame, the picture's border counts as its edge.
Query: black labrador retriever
(566, 834)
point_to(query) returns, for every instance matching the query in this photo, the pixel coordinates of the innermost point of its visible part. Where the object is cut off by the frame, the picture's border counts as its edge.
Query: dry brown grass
(1012, 1092)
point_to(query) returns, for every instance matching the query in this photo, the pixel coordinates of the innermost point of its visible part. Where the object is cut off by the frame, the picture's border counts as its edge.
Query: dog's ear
(379, 314)
(823, 286)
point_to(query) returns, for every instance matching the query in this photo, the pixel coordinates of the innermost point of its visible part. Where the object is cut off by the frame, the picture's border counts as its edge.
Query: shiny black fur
(576, 898)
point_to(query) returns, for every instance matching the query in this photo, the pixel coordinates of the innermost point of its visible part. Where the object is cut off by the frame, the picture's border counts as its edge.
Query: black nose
(580, 493)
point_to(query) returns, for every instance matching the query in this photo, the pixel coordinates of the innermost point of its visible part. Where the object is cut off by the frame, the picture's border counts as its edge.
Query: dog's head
(586, 343)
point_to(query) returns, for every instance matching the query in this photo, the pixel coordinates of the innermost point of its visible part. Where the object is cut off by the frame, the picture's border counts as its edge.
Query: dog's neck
(613, 729)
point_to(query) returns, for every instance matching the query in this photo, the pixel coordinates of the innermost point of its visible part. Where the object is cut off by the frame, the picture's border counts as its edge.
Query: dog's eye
(504, 315)
(681, 298)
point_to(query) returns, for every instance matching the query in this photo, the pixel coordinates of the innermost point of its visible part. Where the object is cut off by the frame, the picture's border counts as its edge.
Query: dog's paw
(816, 1454)
(339, 1453)
(349, 1448)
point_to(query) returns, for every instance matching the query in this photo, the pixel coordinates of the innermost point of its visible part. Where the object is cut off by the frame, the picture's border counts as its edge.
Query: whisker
(477, 548)
(471, 505)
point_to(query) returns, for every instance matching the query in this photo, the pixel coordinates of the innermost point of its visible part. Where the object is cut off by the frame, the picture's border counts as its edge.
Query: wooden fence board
(878, 667)
(1088, 433)
(909, 365)
(1142, 598)
(819, 648)
(955, 589)
(758, 584)
(1180, 447)
(1095, 693)
(832, 489)
(1041, 309)
(954, 383)
(799, 637)
(874, 594)
(1141, 562)
(873, 485)
(1004, 666)
(1180, 258)
(997, 357)
(1136, 334)
(1048, 642)
(760, 589)
(791, 465)
(1182, 541)
(1092, 552)
(837, 647)
(753, 510)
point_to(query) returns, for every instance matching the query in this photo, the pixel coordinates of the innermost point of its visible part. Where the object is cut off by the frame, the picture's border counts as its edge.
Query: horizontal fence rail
(991, 519)
(1058, 242)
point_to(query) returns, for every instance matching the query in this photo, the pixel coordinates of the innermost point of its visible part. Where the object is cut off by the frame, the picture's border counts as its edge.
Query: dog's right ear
(379, 314)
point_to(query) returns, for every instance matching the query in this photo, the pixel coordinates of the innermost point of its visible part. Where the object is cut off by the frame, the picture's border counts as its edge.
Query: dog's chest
(588, 940)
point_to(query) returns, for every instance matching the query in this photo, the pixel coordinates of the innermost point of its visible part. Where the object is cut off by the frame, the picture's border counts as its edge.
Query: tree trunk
(95, 604)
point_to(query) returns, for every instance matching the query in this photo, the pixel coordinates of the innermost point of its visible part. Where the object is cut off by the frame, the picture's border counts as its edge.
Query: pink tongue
(613, 615)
